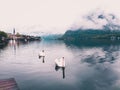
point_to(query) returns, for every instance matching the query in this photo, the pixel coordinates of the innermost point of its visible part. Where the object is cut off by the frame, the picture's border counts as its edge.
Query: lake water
(88, 67)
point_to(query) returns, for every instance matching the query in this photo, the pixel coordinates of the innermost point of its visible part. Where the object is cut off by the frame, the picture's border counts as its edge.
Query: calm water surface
(87, 67)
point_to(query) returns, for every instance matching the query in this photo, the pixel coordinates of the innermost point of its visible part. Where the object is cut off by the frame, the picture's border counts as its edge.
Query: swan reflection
(62, 68)
(42, 55)
(43, 58)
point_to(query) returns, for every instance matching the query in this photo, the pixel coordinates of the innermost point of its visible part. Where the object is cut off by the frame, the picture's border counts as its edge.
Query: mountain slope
(97, 26)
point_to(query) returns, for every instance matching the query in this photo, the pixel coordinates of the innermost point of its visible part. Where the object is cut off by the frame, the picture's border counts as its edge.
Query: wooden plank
(8, 84)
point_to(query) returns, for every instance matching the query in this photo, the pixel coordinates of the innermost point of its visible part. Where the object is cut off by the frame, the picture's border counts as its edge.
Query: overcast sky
(51, 15)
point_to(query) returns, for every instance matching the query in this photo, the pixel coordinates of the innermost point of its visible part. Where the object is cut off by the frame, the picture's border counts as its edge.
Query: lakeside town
(5, 37)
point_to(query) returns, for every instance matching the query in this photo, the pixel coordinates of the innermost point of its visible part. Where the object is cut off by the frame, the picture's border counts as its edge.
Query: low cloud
(98, 19)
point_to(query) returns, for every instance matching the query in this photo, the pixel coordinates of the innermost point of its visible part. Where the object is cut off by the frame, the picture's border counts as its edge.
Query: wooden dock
(8, 84)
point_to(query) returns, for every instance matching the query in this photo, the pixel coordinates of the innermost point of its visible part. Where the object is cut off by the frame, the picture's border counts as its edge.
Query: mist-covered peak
(99, 20)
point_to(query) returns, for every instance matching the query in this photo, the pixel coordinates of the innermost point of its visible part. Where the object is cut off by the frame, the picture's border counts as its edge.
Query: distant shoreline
(5, 37)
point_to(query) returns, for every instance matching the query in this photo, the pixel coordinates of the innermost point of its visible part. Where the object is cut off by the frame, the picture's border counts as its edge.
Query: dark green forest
(3, 36)
(91, 34)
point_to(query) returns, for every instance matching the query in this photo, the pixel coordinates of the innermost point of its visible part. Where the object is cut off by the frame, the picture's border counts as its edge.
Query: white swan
(42, 53)
(60, 62)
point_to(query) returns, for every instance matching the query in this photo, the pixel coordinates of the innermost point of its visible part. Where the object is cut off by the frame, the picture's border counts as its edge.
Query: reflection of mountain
(101, 61)
(100, 56)
(91, 43)
(95, 53)
(95, 58)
